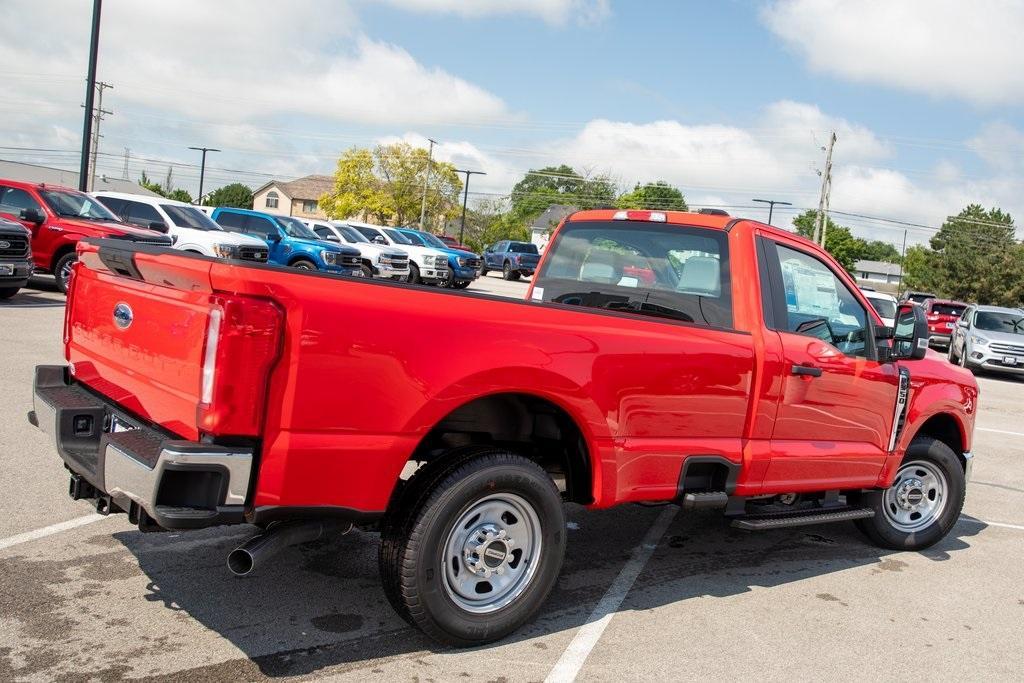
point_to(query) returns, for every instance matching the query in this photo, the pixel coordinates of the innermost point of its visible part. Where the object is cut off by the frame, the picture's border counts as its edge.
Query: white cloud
(557, 12)
(968, 50)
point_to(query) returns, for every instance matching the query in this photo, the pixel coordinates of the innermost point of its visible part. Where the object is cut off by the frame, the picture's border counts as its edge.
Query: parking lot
(647, 593)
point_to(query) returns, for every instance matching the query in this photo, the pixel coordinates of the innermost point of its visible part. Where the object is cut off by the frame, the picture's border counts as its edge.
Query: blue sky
(728, 100)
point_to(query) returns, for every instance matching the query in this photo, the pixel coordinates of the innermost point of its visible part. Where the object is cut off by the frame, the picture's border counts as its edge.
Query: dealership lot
(100, 600)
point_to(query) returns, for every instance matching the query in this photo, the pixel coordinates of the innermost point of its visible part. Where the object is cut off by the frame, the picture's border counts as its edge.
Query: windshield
(644, 268)
(76, 205)
(990, 321)
(293, 227)
(189, 217)
(351, 234)
(885, 307)
(523, 248)
(398, 237)
(431, 240)
(948, 309)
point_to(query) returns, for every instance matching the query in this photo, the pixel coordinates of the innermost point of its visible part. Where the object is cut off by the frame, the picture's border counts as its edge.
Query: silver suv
(989, 338)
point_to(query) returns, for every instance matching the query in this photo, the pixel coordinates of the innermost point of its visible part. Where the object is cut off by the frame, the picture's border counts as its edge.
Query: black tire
(303, 264)
(951, 355)
(414, 274)
(509, 274)
(367, 271)
(8, 292)
(447, 282)
(62, 270)
(924, 452)
(462, 284)
(415, 535)
(483, 269)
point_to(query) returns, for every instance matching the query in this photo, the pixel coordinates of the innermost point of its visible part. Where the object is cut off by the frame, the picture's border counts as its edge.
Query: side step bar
(781, 520)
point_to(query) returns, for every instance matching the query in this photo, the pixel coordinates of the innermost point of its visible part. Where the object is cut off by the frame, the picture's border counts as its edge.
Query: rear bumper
(159, 480)
(940, 338)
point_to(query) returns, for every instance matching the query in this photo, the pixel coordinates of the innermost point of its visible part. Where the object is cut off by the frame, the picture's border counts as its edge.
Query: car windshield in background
(296, 228)
(76, 205)
(885, 307)
(351, 234)
(189, 217)
(415, 238)
(523, 248)
(991, 321)
(398, 237)
(671, 272)
(948, 309)
(432, 240)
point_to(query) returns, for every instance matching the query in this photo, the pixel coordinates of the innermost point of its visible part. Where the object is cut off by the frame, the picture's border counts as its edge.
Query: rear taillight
(243, 340)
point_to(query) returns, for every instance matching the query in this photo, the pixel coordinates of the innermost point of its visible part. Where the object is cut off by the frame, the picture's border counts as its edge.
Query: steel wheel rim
(917, 496)
(491, 553)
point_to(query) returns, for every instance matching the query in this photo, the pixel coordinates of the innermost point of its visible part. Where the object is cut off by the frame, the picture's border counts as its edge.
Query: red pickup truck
(746, 373)
(58, 217)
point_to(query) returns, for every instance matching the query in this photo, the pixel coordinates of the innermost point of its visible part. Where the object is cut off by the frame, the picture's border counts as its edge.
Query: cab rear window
(948, 309)
(646, 269)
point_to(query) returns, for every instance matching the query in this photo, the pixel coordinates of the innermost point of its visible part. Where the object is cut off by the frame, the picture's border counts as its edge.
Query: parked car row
(40, 226)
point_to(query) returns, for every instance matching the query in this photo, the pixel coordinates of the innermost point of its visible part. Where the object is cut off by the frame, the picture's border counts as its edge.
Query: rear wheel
(414, 274)
(8, 292)
(924, 501)
(303, 264)
(508, 273)
(473, 549)
(62, 270)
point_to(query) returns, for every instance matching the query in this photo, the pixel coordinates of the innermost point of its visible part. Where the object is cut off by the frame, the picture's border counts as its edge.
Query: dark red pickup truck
(743, 371)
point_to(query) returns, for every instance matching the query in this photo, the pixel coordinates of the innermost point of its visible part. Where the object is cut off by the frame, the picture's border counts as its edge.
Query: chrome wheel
(917, 497)
(492, 553)
(65, 272)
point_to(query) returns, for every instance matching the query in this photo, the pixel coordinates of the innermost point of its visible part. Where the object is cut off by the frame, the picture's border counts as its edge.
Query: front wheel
(483, 269)
(462, 284)
(62, 271)
(473, 549)
(367, 271)
(303, 264)
(951, 355)
(8, 292)
(924, 501)
(414, 274)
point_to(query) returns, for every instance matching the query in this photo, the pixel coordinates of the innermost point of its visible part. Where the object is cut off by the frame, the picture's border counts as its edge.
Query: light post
(771, 206)
(202, 169)
(465, 198)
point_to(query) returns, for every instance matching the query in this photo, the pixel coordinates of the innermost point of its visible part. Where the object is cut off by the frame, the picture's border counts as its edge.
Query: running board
(781, 520)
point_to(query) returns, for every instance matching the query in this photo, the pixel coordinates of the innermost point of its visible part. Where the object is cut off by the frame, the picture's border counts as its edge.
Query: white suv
(428, 266)
(186, 225)
(378, 261)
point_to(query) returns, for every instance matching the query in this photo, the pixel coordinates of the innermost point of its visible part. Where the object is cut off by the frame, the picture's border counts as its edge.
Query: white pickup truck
(428, 266)
(379, 261)
(189, 228)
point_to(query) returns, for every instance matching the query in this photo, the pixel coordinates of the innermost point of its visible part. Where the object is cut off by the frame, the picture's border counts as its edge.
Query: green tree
(839, 241)
(235, 195)
(180, 195)
(151, 185)
(387, 183)
(656, 195)
(562, 184)
(877, 250)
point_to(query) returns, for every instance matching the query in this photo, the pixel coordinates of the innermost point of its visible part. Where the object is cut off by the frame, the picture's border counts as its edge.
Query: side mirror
(32, 216)
(962, 322)
(159, 226)
(379, 240)
(332, 238)
(910, 338)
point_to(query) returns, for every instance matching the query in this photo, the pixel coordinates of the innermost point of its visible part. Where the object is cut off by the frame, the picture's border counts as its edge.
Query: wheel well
(58, 255)
(943, 427)
(301, 257)
(528, 425)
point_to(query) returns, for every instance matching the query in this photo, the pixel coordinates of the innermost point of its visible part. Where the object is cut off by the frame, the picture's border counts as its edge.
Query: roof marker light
(655, 216)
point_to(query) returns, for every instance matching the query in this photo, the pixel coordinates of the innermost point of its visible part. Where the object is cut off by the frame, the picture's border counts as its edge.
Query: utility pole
(202, 169)
(97, 119)
(903, 258)
(127, 154)
(465, 198)
(90, 91)
(771, 206)
(821, 225)
(426, 181)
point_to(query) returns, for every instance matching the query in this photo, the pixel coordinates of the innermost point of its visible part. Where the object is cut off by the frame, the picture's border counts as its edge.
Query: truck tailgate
(135, 329)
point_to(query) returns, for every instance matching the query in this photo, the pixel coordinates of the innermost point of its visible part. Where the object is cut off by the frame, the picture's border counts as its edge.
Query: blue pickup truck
(291, 242)
(511, 258)
(463, 266)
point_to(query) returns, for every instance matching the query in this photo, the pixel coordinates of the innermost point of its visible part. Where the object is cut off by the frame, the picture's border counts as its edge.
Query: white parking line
(12, 541)
(569, 664)
(998, 431)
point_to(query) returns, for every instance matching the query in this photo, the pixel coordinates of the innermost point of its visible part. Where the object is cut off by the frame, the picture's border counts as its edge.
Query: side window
(323, 232)
(257, 225)
(115, 205)
(141, 214)
(502, 247)
(232, 222)
(818, 304)
(13, 200)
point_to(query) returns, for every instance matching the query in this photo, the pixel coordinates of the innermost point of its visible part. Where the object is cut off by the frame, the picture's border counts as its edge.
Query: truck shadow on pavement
(320, 606)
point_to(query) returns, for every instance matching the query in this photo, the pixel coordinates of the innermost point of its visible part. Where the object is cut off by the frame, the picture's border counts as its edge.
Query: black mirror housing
(31, 215)
(159, 226)
(910, 336)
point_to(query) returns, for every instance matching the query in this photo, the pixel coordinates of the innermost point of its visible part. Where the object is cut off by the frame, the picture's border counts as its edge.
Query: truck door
(838, 403)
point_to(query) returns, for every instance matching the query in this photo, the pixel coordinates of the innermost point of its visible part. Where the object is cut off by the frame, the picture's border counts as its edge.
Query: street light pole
(426, 182)
(465, 198)
(90, 93)
(771, 206)
(202, 169)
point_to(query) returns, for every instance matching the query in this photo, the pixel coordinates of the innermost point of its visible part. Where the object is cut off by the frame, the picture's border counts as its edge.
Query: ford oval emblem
(123, 316)
(4, 244)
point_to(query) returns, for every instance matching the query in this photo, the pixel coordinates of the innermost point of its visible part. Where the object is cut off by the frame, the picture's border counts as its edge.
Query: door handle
(806, 370)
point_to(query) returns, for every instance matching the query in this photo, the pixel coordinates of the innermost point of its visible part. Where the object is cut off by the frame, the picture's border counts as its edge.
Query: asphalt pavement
(84, 597)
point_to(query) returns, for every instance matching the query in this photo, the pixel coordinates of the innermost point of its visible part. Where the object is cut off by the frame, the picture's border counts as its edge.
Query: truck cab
(189, 228)
(58, 217)
(290, 241)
